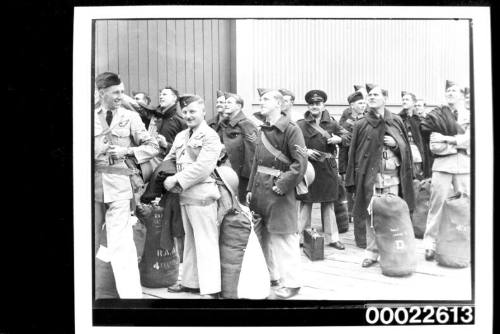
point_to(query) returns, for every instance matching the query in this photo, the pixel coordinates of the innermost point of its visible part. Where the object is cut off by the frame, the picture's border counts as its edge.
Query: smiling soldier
(195, 152)
(119, 135)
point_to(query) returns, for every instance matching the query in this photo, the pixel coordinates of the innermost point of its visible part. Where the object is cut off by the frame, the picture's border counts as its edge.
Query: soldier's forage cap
(357, 87)
(107, 79)
(187, 99)
(219, 93)
(315, 95)
(263, 91)
(286, 92)
(238, 98)
(413, 96)
(450, 83)
(356, 96)
(370, 87)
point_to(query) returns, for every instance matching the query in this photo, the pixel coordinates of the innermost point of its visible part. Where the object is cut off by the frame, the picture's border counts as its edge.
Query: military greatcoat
(279, 212)
(365, 154)
(325, 186)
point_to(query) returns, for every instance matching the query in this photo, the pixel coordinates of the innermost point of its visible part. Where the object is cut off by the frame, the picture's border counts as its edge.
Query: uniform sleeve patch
(251, 137)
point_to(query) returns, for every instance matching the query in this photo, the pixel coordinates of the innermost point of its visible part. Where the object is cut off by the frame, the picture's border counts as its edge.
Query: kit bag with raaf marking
(394, 234)
(453, 241)
(159, 266)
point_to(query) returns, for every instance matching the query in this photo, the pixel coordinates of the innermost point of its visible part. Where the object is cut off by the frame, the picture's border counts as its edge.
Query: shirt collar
(280, 124)
(234, 119)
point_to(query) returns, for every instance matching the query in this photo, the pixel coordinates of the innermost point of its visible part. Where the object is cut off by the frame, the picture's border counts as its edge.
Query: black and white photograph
(334, 161)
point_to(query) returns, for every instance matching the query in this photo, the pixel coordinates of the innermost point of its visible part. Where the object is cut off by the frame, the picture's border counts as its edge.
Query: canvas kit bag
(159, 267)
(453, 241)
(390, 218)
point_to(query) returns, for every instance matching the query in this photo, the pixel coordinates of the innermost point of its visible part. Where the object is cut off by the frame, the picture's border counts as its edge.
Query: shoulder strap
(277, 153)
(318, 128)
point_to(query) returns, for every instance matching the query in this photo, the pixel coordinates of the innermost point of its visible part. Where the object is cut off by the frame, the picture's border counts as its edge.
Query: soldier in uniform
(272, 192)
(119, 135)
(220, 106)
(166, 122)
(239, 136)
(289, 99)
(356, 110)
(447, 130)
(322, 134)
(412, 123)
(420, 108)
(380, 160)
(196, 151)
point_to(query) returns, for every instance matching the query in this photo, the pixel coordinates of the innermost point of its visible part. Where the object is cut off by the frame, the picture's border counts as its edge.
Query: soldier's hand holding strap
(249, 197)
(389, 141)
(334, 139)
(277, 190)
(313, 154)
(162, 141)
(170, 182)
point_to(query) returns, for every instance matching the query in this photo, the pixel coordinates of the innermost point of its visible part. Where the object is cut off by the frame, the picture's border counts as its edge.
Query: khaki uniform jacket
(196, 158)
(127, 130)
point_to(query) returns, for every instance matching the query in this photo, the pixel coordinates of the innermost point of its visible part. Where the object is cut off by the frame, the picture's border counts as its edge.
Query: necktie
(190, 133)
(455, 113)
(109, 117)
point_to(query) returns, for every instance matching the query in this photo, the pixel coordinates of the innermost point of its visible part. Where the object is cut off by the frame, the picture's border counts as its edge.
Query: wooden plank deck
(340, 277)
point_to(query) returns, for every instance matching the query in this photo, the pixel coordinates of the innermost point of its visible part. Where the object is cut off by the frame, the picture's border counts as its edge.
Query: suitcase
(314, 245)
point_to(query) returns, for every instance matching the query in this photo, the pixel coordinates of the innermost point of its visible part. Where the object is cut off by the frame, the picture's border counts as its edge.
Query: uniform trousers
(282, 253)
(201, 257)
(328, 220)
(371, 251)
(441, 184)
(120, 250)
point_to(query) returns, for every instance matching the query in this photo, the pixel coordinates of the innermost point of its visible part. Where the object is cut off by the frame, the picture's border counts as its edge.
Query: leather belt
(115, 170)
(269, 171)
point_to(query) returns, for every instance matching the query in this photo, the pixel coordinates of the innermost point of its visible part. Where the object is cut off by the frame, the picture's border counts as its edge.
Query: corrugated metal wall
(332, 55)
(194, 56)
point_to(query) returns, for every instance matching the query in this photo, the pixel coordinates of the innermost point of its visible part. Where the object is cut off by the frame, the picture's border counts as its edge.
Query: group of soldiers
(377, 152)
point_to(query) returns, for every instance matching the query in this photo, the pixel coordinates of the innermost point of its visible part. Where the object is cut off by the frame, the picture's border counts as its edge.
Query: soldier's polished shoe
(368, 263)
(337, 245)
(430, 254)
(285, 293)
(181, 288)
(275, 282)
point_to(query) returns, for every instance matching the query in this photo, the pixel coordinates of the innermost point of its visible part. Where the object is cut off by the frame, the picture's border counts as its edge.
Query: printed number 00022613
(412, 315)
